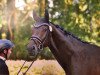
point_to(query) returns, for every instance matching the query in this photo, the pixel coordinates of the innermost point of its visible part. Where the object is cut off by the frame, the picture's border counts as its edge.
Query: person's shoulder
(2, 62)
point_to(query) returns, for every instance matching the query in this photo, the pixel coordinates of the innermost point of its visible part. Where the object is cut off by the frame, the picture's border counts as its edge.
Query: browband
(44, 24)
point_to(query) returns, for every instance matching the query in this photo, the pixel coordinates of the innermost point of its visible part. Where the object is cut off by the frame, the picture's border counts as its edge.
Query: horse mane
(68, 33)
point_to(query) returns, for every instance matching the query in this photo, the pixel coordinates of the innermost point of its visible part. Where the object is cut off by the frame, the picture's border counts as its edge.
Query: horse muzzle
(34, 50)
(31, 50)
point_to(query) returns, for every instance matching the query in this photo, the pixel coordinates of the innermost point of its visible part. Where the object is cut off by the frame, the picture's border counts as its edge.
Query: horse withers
(75, 56)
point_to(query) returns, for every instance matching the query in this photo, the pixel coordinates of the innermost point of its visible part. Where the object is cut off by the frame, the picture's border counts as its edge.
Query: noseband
(33, 38)
(38, 38)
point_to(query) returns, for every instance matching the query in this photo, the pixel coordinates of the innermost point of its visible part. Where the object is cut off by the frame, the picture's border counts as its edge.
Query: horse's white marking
(50, 28)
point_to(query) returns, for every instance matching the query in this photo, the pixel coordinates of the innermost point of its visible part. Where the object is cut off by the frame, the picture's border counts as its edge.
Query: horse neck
(60, 47)
(59, 41)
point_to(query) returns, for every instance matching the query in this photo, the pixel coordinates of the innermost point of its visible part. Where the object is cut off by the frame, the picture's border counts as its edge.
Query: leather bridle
(38, 38)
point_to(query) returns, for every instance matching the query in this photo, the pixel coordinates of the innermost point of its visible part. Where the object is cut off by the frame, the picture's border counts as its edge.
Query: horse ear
(35, 16)
(46, 16)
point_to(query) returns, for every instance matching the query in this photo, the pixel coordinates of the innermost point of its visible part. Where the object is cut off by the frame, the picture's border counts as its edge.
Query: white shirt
(2, 58)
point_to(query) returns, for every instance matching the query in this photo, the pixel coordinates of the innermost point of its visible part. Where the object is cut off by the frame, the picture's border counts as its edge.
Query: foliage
(81, 17)
(46, 53)
(21, 40)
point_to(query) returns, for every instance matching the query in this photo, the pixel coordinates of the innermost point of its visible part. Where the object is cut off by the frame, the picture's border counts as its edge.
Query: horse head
(40, 34)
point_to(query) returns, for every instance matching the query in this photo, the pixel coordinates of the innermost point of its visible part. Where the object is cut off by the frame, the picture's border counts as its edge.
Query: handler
(5, 51)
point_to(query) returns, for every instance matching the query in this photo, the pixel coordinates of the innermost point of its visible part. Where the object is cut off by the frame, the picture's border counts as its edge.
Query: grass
(39, 67)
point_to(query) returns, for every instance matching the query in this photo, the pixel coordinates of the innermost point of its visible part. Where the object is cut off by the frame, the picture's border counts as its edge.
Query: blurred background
(80, 17)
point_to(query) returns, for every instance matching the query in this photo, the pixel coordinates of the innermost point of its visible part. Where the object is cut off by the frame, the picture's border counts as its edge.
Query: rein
(27, 68)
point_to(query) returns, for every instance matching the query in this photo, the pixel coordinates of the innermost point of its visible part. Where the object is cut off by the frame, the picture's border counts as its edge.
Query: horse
(75, 56)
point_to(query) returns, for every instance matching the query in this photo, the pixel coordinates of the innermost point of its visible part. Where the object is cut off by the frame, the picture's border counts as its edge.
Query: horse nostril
(33, 47)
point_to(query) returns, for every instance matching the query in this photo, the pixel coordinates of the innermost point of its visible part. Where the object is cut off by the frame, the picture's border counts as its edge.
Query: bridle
(41, 44)
(33, 38)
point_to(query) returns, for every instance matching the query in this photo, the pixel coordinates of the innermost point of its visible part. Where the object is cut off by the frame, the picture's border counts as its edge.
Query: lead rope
(27, 69)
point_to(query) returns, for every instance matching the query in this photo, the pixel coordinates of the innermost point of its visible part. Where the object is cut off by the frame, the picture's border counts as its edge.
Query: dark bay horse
(75, 56)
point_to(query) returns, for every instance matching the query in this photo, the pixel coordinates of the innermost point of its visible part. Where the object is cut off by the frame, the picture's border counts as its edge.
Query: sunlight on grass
(39, 67)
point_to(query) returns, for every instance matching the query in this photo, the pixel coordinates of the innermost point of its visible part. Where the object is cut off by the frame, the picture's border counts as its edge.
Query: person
(5, 51)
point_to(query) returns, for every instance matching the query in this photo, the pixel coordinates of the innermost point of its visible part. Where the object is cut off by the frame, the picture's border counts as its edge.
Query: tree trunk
(10, 17)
